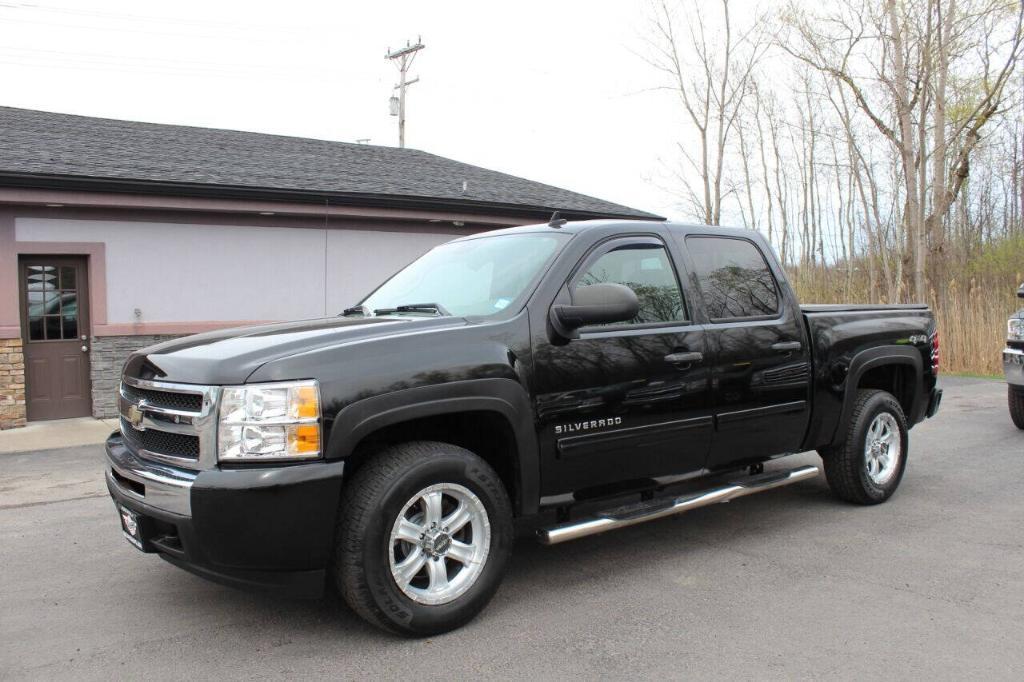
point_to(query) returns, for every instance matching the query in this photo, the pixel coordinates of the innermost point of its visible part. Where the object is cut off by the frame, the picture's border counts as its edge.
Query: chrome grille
(161, 442)
(187, 402)
(169, 422)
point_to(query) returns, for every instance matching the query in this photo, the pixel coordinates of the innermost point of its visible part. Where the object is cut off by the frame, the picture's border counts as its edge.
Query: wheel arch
(490, 417)
(896, 369)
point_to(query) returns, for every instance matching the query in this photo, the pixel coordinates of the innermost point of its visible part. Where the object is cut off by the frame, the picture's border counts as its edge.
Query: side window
(647, 270)
(734, 278)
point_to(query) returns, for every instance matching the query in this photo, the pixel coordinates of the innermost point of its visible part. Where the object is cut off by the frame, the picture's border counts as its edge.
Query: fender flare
(878, 357)
(504, 396)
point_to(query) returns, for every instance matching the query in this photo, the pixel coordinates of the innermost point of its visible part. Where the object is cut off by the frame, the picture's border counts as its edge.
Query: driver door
(628, 401)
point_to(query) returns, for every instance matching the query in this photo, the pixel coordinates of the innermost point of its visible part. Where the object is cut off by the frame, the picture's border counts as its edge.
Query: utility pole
(403, 58)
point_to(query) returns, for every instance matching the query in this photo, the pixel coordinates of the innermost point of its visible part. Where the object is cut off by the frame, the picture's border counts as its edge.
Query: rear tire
(867, 467)
(1015, 397)
(423, 539)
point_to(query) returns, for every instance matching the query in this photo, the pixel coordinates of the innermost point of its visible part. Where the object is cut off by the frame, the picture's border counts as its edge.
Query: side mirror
(594, 304)
(1020, 292)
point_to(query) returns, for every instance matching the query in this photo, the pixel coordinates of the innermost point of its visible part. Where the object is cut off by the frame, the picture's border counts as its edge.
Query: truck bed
(843, 331)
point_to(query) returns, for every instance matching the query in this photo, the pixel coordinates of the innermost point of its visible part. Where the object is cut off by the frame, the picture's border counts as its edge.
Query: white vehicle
(1013, 364)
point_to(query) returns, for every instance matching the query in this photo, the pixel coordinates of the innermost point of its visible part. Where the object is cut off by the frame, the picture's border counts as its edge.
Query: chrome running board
(649, 510)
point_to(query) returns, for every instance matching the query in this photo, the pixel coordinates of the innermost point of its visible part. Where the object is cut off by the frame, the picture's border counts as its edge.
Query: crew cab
(579, 377)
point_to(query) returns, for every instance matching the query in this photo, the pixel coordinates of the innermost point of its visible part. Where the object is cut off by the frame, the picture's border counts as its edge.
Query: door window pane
(35, 303)
(34, 278)
(68, 303)
(67, 278)
(734, 278)
(35, 329)
(52, 325)
(647, 270)
(69, 325)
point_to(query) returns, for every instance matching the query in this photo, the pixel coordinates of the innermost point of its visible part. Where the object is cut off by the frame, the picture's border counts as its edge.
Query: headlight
(263, 422)
(1015, 329)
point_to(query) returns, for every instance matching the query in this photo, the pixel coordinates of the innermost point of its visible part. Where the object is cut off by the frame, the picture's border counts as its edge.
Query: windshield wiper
(356, 310)
(436, 308)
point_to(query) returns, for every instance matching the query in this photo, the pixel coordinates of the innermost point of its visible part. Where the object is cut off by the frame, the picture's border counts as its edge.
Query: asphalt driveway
(787, 584)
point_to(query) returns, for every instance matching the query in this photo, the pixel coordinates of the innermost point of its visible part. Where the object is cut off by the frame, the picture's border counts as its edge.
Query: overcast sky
(553, 91)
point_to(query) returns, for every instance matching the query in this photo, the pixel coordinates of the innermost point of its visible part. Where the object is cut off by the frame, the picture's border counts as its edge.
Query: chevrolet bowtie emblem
(135, 416)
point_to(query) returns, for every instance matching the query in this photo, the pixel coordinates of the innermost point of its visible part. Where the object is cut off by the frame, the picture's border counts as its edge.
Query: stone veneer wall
(107, 358)
(12, 384)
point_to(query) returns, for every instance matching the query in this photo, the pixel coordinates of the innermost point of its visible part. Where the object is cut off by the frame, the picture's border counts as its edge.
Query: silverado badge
(587, 425)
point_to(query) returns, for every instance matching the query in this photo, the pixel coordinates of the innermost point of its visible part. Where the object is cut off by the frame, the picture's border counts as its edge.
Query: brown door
(55, 331)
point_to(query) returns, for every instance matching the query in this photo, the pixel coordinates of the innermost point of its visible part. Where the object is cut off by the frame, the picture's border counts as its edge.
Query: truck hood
(229, 356)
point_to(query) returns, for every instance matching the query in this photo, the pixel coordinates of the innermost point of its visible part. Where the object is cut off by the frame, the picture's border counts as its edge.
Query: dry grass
(971, 315)
(972, 327)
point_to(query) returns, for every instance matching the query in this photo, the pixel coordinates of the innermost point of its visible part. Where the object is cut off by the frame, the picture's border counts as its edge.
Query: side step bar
(640, 512)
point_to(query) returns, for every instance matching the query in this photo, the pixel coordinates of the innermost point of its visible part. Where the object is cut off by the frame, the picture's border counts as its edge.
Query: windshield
(476, 277)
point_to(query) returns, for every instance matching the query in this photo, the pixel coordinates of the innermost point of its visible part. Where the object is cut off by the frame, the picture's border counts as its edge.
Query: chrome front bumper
(155, 485)
(1013, 366)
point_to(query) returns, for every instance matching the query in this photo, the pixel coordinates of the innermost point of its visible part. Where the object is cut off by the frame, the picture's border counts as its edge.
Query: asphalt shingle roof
(44, 144)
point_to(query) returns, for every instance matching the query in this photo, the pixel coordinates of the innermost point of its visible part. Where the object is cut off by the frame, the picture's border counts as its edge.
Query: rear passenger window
(647, 270)
(734, 278)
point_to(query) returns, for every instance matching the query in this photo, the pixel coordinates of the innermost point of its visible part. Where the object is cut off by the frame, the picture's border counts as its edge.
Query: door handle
(785, 346)
(85, 349)
(684, 358)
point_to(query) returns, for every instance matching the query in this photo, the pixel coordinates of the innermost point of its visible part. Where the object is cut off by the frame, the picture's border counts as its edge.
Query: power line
(127, 29)
(93, 68)
(98, 56)
(276, 29)
(162, 63)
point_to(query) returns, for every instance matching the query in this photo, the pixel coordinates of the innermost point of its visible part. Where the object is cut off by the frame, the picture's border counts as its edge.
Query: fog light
(129, 523)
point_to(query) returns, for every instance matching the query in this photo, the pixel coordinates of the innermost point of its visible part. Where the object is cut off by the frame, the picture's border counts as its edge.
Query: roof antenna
(557, 220)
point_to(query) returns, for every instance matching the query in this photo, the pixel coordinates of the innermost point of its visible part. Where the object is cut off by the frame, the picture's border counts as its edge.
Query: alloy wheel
(439, 543)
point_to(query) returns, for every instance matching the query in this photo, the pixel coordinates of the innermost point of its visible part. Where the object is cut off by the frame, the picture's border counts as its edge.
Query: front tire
(1015, 397)
(867, 467)
(424, 537)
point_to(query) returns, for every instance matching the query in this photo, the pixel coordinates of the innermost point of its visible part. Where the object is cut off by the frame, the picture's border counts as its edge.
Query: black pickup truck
(578, 377)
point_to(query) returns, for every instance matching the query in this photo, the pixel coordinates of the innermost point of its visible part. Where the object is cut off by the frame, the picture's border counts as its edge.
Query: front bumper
(1013, 366)
(268, 528)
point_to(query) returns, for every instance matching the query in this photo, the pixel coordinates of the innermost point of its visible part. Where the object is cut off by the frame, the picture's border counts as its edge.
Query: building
(117, 234)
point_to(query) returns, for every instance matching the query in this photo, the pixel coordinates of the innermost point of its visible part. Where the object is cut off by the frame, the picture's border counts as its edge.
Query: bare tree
(910, 50)
(710, 71)
(880, 143)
